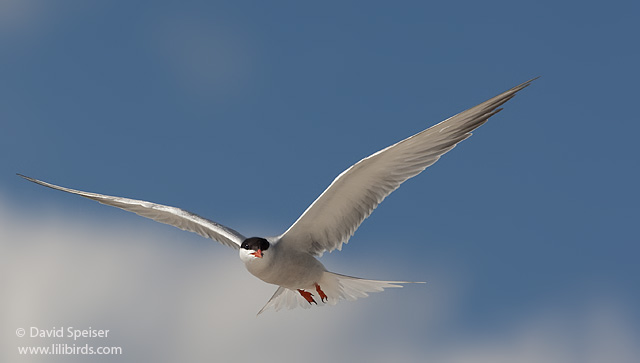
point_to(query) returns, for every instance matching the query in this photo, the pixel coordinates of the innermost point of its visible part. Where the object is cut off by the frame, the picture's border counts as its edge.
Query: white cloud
(181, 300)
(162, 299)
(597, 333)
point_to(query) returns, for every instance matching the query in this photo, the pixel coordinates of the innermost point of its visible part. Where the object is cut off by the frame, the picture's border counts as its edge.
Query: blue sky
(243, 112)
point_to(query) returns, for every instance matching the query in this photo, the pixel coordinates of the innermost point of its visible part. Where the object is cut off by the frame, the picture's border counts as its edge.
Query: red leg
(307, 296)
(323, 296)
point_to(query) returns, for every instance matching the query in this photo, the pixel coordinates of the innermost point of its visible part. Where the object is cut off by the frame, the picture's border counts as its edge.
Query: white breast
(284, 267)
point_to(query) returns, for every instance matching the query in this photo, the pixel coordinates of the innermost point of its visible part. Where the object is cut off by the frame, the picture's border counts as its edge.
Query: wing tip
(24, 176)
(34, 180)
(524, 84)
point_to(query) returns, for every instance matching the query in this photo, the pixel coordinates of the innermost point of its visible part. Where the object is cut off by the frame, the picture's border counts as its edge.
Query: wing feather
(173, 216)
(336, 214)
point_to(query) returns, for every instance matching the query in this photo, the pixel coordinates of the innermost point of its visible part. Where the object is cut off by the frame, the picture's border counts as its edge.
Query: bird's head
(253, 248)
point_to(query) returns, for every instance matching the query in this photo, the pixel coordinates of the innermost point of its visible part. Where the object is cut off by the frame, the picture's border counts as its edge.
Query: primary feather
(333, 218)
(161, 213)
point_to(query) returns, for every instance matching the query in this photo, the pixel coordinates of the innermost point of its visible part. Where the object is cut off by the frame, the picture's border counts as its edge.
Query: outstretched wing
(333, 218)
(161, 213)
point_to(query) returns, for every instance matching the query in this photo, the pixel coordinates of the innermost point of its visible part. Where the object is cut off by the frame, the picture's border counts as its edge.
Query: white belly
(290, 269)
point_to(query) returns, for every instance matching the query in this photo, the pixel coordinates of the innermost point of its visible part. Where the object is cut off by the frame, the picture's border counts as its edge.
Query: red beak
(258, 253)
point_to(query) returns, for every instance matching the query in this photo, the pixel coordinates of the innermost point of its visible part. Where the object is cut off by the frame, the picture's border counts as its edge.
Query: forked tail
(336, 287)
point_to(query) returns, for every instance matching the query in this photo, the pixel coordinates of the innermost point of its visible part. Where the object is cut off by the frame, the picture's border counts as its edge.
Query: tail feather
(337, 287)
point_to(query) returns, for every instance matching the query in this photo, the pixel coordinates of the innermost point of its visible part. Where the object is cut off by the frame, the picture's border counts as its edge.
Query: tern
(290, 259)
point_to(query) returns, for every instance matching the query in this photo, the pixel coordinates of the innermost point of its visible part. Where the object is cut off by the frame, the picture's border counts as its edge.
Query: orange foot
(323, 296)
(307, 296)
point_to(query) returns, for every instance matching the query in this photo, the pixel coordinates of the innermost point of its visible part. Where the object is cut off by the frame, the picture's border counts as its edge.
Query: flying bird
(290, 259)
